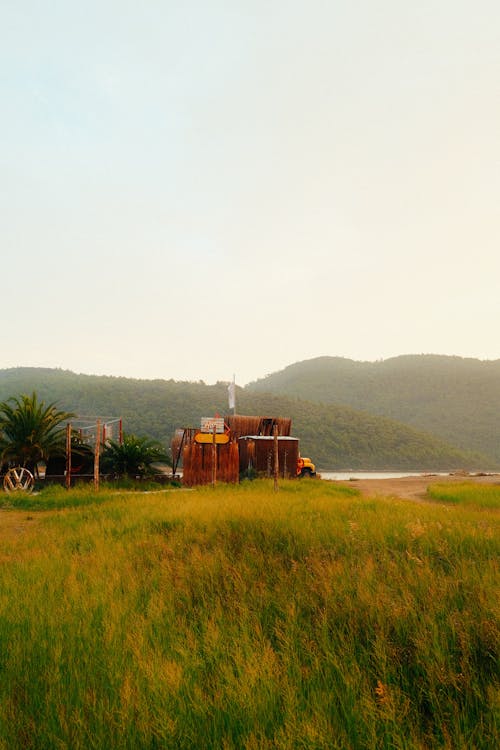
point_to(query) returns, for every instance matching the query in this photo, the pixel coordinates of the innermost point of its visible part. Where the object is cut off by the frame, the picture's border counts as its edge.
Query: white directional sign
(208, 424)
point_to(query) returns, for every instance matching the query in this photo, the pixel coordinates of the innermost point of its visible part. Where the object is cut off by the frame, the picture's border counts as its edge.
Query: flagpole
(231, 392)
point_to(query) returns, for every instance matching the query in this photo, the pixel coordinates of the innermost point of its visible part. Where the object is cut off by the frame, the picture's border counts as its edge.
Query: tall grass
(241, 618)
(467, 494)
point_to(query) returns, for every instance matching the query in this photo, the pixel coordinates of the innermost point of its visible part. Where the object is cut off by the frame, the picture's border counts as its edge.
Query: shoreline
(413, 487)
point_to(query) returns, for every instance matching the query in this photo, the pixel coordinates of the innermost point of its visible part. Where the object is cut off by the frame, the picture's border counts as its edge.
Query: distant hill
(453, 398)
(336, 437)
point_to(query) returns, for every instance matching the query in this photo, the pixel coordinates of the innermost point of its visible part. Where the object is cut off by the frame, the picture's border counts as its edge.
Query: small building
(256, 454)
(225, 448)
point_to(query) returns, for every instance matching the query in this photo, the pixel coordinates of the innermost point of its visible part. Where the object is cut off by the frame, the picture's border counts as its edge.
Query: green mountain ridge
(456, 399)
(336, 437)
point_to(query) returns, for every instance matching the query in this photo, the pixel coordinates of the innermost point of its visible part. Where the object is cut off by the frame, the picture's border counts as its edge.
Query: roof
(267, 437)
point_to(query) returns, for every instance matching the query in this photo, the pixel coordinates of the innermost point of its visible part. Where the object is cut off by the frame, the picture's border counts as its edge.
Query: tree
(30, 431)
(133, 457)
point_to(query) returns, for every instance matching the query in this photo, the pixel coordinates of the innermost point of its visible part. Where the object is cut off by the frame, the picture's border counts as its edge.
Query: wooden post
(276, 457)
(68, 456)
(96, 454)
(214, 456)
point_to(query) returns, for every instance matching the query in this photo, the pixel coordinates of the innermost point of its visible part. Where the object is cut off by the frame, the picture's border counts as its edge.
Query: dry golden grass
(241, 618)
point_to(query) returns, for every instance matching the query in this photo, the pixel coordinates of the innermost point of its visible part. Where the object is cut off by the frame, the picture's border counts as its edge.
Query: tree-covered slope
(453, 398)
(334, 436)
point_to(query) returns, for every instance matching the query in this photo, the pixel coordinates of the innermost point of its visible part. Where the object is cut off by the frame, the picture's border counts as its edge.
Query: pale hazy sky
(194, 188)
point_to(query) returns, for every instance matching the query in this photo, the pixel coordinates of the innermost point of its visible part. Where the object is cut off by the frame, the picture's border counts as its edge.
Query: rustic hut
(225, 448)
(208, 454)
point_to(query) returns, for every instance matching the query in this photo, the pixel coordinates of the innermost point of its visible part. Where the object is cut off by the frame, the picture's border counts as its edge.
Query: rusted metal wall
(198, 463)
(256, 453)
(241, 425)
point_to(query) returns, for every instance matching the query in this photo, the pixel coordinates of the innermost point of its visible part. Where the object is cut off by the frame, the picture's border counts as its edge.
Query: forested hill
(455, 399)
(336, 437)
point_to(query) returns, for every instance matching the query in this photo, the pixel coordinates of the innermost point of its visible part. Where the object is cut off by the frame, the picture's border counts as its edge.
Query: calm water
(346, 475)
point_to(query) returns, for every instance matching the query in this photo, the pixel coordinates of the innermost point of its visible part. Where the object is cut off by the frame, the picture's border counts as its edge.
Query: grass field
(237, 617)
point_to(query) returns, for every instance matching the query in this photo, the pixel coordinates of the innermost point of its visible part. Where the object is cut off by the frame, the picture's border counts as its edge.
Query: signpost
(214, 457)
(276, 457)
(97, 449)
(68, 456)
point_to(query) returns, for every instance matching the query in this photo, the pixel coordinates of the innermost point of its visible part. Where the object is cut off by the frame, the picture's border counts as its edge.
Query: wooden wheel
(18, 480)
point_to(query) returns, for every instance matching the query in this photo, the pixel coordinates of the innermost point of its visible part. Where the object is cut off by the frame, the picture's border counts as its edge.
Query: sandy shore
(413, 488)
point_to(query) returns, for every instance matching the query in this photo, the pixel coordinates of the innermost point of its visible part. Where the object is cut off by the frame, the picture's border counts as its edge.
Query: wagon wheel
(18, 480)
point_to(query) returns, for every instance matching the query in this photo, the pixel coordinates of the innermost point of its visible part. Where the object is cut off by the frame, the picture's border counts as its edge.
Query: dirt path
(414, 488)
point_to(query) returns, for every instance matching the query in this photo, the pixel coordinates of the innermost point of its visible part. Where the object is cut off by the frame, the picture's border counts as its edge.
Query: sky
(200, 188)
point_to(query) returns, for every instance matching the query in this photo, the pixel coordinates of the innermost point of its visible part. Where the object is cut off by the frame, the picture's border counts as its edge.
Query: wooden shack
(208, 454)
(224, 448)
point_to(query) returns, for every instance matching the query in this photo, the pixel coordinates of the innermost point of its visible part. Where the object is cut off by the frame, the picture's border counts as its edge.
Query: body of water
(346, 475)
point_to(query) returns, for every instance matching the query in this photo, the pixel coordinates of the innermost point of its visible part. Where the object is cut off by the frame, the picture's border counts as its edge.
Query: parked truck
(305, 467)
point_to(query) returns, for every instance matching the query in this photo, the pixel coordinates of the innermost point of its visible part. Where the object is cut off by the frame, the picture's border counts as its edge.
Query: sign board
(205, 437)
(208, 424)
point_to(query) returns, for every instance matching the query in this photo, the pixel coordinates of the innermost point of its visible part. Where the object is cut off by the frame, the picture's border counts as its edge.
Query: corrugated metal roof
(267, 437)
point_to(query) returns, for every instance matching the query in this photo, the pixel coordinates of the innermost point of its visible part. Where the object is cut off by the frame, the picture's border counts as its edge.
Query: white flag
(231, 394)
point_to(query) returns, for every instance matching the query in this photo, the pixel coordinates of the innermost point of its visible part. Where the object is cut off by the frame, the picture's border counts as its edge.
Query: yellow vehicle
(305, 467)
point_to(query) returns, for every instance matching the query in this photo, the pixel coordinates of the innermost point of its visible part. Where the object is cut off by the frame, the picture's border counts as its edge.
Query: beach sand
(414, 488)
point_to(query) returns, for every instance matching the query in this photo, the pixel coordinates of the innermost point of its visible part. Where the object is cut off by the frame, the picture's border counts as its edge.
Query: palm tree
(133, 457)
(30, 431)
